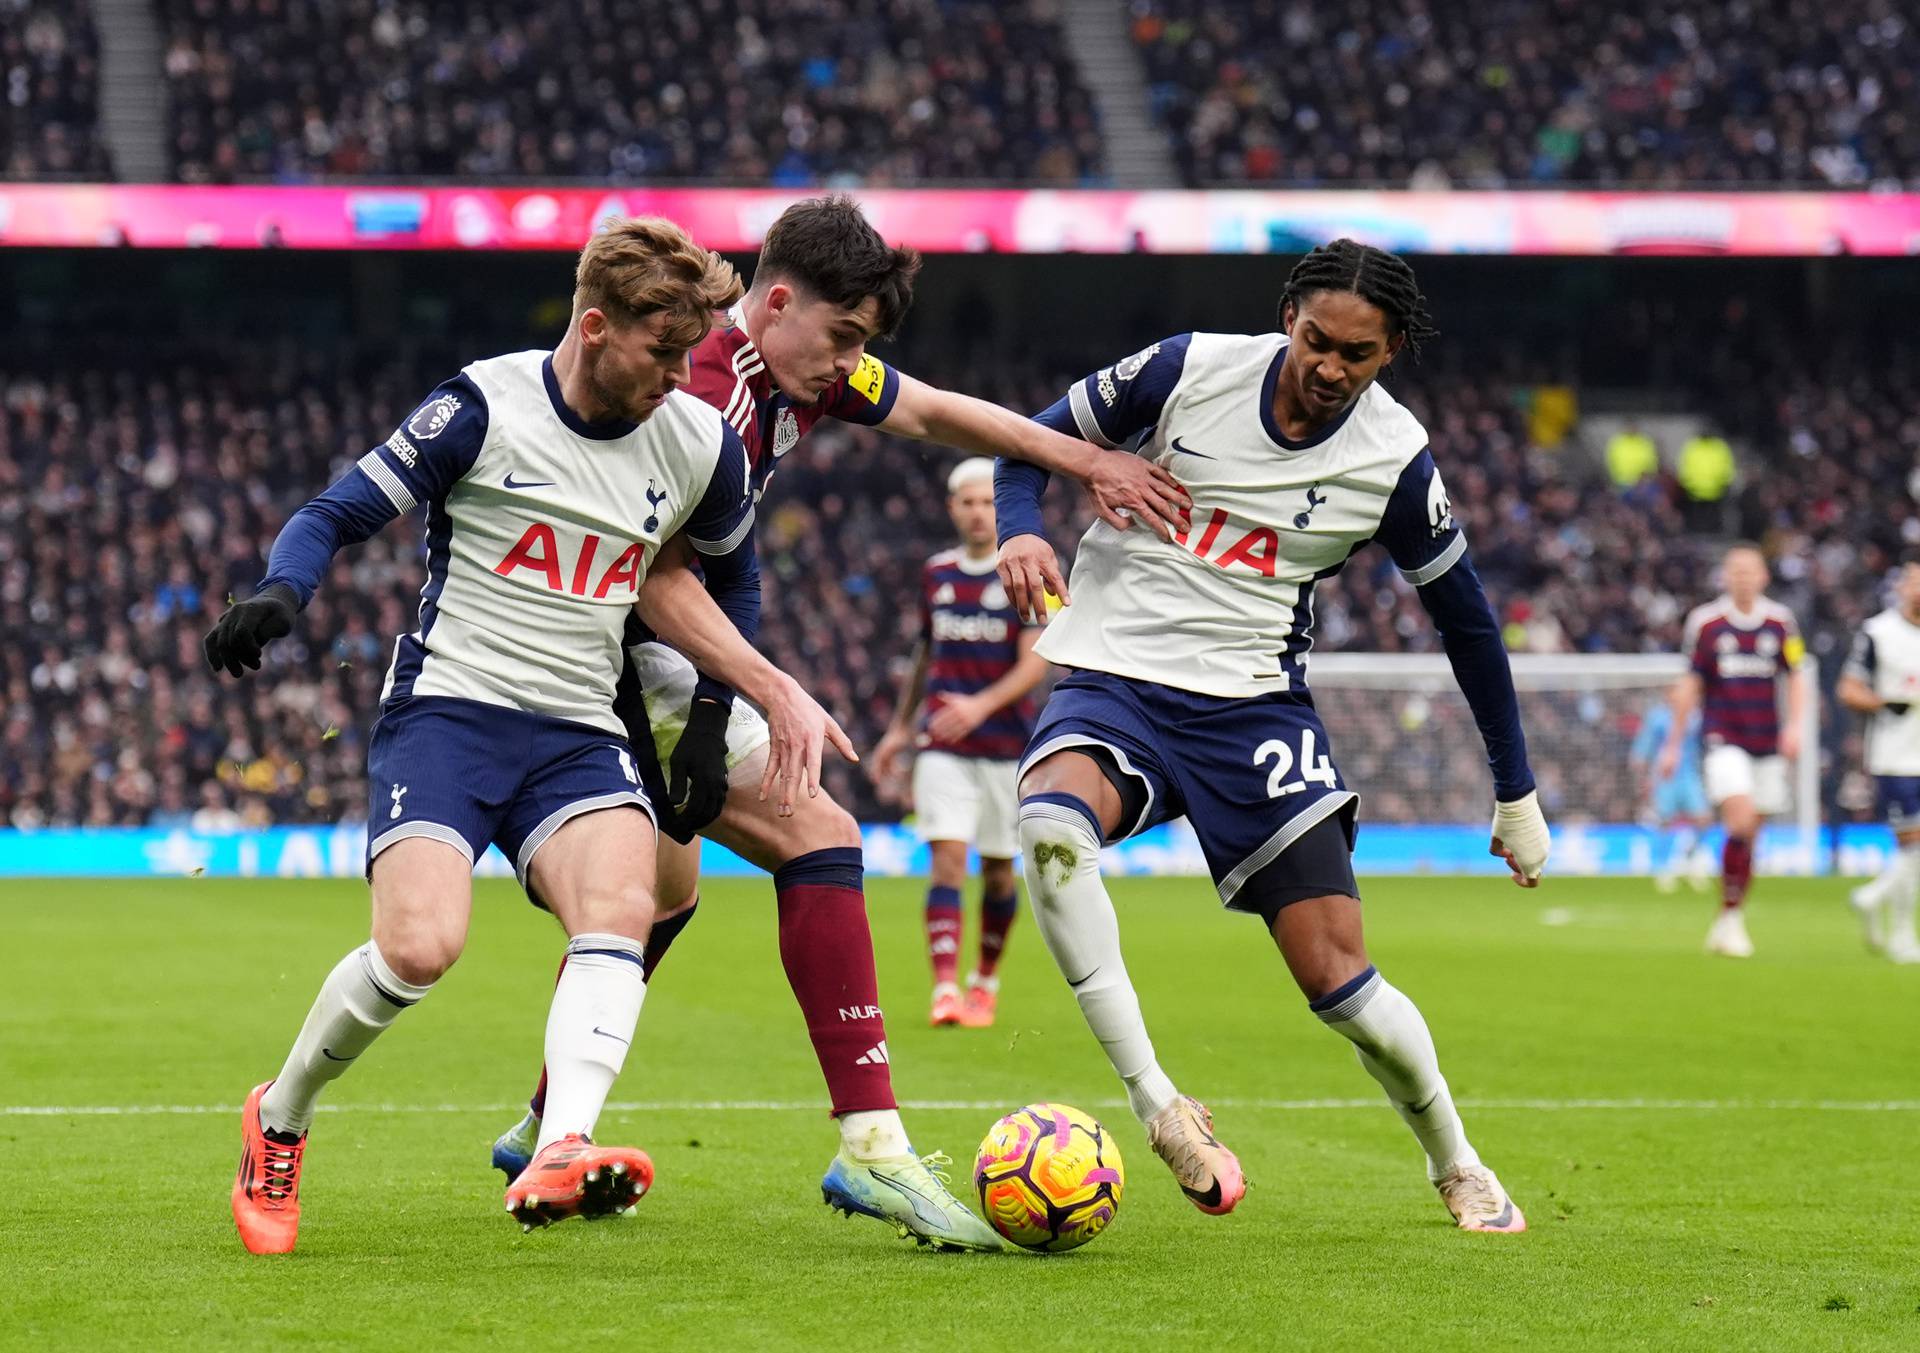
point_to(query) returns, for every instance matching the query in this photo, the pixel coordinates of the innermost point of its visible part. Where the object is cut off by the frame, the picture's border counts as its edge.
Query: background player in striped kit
(1739, 646)
(1882, 681)
(974, 672)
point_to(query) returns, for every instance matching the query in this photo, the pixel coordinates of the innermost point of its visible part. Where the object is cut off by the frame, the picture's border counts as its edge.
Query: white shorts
(968, 798)
(1733, 771)
(667, 680)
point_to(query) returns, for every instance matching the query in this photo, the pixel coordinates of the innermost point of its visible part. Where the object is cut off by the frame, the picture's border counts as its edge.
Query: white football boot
(1728, 935)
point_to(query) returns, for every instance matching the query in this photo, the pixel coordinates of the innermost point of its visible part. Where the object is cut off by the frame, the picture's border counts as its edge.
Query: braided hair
(1375, 276)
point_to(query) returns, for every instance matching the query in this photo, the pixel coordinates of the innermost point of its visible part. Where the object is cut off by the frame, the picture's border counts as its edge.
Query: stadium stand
(1516, 92)
(49, 120)
(787, 92)
(134, 500)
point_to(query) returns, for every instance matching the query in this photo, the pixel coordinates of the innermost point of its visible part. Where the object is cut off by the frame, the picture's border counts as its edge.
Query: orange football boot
(574, 1178)
(946, 1006)
(266, 1190)
(978, 1010)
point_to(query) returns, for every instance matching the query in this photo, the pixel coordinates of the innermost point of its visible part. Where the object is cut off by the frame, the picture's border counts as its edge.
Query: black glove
(1896, 706)
(697, 772)
(236, 641)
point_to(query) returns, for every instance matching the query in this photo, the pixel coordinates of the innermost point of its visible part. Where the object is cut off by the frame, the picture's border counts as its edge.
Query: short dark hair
(827, 246)
(1382, 279)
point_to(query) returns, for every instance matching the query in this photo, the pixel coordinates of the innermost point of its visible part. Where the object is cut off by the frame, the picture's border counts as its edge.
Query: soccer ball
(1049, 1177)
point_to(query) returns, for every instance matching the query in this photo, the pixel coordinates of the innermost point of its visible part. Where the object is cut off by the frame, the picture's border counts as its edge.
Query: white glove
(1520, 837)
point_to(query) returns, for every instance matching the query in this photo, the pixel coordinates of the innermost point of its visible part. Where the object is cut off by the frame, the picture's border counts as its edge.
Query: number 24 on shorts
(1314, 765)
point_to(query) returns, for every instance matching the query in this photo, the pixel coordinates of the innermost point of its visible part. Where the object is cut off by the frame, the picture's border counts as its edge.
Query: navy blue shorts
(474, 775)
(1899, 797)
(1251, 775)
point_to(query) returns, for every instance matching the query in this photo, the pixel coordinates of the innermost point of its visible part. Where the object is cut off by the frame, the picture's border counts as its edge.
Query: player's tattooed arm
(1124, 488)
(675, 605)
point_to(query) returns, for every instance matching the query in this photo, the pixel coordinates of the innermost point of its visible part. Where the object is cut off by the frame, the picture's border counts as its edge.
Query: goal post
(1405, 739)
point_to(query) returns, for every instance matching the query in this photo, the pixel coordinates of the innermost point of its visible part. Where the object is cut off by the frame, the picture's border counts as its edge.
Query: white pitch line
(985, 1105)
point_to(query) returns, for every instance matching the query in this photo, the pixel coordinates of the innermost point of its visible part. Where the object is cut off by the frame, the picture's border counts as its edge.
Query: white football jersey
(1886, 655)
(540, 530)
(1227, 610)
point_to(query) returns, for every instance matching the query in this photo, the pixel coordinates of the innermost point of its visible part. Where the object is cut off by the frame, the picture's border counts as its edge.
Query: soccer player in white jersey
(974, 672)
(552, 481)
(1186, 691)
(1881, 680)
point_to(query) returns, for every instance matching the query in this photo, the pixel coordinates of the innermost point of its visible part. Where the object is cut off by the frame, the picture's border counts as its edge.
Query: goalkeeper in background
(1676, 803)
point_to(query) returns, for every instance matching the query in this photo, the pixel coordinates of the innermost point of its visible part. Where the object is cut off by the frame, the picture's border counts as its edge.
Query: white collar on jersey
(974, 568)
(1747, 620)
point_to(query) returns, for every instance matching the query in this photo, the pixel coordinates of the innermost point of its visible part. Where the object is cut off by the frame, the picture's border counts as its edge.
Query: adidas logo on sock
(873, 1056)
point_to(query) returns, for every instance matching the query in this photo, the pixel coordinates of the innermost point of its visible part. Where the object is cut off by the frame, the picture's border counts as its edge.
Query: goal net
(1404, 738)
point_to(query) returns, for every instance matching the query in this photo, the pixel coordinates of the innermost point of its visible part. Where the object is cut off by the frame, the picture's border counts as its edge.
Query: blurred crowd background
(144, 476)
(1391, 93)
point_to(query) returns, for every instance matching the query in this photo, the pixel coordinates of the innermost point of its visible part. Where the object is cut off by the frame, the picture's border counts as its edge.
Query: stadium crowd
(1513, 92)
(49, 115)
(750, 91)
(135, 500)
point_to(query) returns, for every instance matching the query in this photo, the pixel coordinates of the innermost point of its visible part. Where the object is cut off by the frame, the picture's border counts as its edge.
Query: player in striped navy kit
(968, 709)
(1881, 681)
(1739, 647)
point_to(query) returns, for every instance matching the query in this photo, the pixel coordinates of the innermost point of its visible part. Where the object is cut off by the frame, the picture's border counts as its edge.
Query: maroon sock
(827, 950)
(1736, 871)
(943, 933)
(996, 919)
(659, 940)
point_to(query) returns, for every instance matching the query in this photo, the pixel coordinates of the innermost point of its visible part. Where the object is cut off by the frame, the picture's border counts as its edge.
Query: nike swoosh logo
(526, 483)
(604, 1034)
(1077, 982)
(1211, 1198)
(1186, 452)
(1504, 1219)
(328, 1054)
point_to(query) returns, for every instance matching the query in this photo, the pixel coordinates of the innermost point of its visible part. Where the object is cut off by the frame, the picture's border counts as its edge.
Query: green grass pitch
(1710, 1154)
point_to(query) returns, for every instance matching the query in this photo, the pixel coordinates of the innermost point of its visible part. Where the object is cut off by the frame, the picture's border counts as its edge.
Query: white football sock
(1902, 897)
(359, 999)
(1681, 849)
(596, 1005)
(873, 1134)
(1396, 1049)
(1077, 921)
(1887, 884)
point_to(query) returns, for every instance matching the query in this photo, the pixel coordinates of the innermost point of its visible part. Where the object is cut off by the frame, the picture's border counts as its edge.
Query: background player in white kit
(1187, 691)
(552, 480)
(974, 670)
(1881, 680)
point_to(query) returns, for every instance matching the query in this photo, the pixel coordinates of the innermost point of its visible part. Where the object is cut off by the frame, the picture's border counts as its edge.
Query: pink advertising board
(961, 221)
